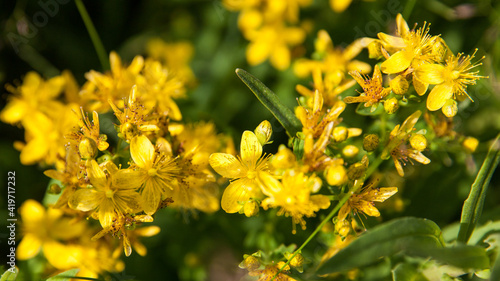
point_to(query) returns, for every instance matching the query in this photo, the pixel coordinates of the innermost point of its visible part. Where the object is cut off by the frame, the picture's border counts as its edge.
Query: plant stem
(357, 185)
(408, 9)
(99, 47)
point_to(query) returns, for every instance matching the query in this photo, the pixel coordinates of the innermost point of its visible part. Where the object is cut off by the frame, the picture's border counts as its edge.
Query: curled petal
(398, 62)
(430, 73)
(439, 95)
(251, 149)
(226, 165)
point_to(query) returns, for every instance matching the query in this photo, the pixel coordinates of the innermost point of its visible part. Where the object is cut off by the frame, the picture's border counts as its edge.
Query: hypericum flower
(293, 196)
(363, 201)
(248, 174)
(33, 96)
(71, 176)
(114, 85)
(373, 93)
(273, 41)
(48, 230)
(156, 170)
(397, 147)
(450, 79)
(113, 193)
(89, 130)
(416, 48)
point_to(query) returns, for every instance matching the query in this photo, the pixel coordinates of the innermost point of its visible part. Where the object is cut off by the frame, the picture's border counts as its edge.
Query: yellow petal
(142, 151)
(62, 256)
(280, 57)
(339, 5)
(269, 185)
(29, 247)
(369, 209)
(127, 201)
(237, 192)
(140, 248)
(397, 62)
(344, 211)
(226, 165)
(129, 179)
(419, 157)
(320, 201)
(438, 96)
(96, 175)
(430, 73)
(257, 52)
(34, 151)
(151, 196)
(420, 87)
(14, 112)
(148, 231)
(251, 149)
(393, 41)
(85, 199)
(106, 213)
(381, 194)
(402, 26)
(32, 212)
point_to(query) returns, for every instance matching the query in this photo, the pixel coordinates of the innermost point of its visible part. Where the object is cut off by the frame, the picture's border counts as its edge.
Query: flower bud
(399, 85)
(350, 151)
(251, 208)
(374, 50)
(263, 132)
(87, 148)
(418, 142)
(343, 227)
(470, 144)
(251, 263)
(281, 264)
(336, 175)
(54, 189)
(356, 171)
(450, 108)
(340, 134)
(391, 105)
(297, 261)
(128, 131)
(370, 142)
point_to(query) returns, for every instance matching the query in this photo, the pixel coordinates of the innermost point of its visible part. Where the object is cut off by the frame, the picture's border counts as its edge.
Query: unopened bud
(370, 142)
(87, 148)
(350, 151)
(418, 142)
(264, 132)
(450, 108)
(343, 227)
(336, 175)
(251, 263)
(356, 171)
(251, 208)
(470, 144)
(54, 189)
(391, 105)
(340, 134)
(399, 85)
(374, 50)
(128, 131)
(297, 261)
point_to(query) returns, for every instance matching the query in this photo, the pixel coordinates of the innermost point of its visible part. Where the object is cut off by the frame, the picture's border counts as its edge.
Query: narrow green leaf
(271, 101)
(495, 269)
(483, 231)
(473, 205)
(407, 272)
(409, 235)
(65, 276)
(10, 274)
(461, 256)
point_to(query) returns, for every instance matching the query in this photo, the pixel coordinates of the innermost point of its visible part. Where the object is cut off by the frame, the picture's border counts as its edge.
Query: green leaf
(66, 275)
(10, 274)
(473, 205)
(271, 101)
(461, 256)
(407, 272)
(409, 235)
(483, 231)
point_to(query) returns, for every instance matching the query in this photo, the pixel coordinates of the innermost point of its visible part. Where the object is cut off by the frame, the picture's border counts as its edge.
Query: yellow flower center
(152, 172)
(109, 193)
(251, 174)
(455, 74)
(290, 200)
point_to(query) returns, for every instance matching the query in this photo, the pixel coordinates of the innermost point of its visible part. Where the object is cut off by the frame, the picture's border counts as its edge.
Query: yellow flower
(272, 42)
(415, 47)
(156, 171)
(397, 147)
(33, 96)
(374, 92)
(114, 85)
(293, 196)
(363, 201)
(89, 130)
(450, 79)
(49, 230)
(113, 193)
(249, 173)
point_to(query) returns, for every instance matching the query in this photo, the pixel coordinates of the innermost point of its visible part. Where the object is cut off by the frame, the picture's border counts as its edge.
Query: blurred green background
(209, 247)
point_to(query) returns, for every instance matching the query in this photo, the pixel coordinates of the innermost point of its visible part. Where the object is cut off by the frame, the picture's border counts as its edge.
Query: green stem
(99, 47)
(408, 9)
(339, 205)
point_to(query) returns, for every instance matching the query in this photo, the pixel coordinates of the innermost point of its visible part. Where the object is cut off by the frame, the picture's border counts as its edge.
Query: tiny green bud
(391, 105)
(370, 142)
(450, 108)
(264, 132)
